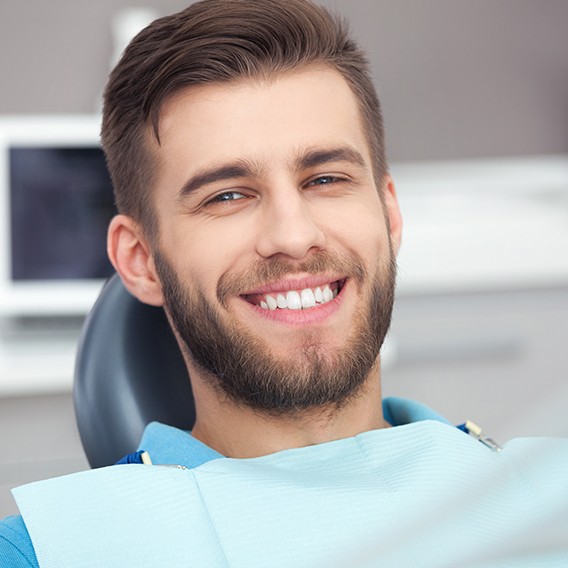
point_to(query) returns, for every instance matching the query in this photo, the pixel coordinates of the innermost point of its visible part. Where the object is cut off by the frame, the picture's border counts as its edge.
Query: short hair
(219, 41)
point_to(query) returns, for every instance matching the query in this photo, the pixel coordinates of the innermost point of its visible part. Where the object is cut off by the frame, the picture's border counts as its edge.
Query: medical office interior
(475, 99)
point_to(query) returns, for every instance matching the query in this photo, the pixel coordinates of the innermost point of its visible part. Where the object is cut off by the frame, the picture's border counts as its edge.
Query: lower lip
(315, 315)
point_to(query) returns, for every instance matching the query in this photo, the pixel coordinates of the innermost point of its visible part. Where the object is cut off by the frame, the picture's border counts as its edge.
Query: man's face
(274, 251)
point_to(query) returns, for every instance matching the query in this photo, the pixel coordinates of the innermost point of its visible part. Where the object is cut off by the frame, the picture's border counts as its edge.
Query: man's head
(248, 142)
(219, 41)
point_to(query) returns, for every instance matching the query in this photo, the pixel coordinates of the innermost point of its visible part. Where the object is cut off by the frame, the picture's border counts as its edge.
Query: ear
(131, 256)
(393, 213)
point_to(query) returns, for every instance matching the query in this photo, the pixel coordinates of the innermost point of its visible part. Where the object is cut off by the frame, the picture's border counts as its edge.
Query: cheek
(204, 253)
(364, 230)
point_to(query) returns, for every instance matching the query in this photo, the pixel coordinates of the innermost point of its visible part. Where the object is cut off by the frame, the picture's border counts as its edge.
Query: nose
(289, 228)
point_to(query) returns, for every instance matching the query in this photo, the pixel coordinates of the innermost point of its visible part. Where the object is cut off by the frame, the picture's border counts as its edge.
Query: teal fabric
(420, 494)
(16, 550)
(168, 445)
(401, 411)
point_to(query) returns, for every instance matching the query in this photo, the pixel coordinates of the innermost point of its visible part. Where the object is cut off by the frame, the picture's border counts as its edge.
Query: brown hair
(215, 41)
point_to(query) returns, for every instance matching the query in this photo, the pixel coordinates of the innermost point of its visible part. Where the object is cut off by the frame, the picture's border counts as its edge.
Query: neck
(240, 432)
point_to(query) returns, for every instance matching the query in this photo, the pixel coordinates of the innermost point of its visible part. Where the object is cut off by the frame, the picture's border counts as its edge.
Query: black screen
(61, 204)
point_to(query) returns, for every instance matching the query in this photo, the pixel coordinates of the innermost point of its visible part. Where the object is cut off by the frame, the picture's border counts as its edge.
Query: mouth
(304, 298)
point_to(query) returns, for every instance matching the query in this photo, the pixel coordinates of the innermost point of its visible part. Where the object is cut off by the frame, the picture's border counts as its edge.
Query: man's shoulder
(16, 549)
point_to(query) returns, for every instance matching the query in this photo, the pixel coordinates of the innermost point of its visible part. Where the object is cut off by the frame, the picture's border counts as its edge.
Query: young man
(245, 143)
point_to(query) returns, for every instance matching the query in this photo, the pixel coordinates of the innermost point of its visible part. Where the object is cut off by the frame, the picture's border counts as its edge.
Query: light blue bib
(424, 494)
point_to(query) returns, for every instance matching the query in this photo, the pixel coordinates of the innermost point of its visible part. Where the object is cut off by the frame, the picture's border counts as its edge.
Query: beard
(241, 367)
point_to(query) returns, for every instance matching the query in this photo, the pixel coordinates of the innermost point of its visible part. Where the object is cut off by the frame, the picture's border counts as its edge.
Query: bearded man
(245, 143)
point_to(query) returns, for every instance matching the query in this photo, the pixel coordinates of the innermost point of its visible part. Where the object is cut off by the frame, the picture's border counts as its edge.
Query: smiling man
(264, 153)
(282, 296)
(245, 143)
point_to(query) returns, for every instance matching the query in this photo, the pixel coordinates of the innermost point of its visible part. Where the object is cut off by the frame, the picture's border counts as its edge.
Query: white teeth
(318, 295)
(308, 298)
(293, 300)
(297, 300)
(271, 301)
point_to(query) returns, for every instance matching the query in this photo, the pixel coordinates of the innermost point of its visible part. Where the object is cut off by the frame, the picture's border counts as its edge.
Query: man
(245, 144)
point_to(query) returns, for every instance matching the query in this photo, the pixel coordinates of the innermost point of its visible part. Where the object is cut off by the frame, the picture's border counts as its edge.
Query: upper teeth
(298, 299)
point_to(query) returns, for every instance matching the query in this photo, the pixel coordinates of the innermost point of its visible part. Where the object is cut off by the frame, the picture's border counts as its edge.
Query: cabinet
(497, 358)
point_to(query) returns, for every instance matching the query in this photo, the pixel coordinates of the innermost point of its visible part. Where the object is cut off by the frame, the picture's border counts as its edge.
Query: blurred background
(475, 98)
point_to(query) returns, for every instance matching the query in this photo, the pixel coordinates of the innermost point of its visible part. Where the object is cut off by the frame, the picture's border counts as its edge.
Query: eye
(324, 180)
(226, 196)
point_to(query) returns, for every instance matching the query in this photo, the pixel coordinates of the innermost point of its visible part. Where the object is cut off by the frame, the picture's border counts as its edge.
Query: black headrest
(129, 372)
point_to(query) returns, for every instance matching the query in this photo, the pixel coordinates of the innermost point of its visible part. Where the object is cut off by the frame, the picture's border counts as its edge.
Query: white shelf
(483, 225)
(33, 367)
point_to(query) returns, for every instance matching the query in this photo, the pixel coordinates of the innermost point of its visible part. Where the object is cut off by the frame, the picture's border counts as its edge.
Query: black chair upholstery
(129, 371)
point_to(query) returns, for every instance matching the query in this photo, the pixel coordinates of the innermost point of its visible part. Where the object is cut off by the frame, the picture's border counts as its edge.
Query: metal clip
(474, 430)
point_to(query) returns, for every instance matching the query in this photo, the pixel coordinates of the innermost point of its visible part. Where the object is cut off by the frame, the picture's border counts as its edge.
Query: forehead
(261, 120)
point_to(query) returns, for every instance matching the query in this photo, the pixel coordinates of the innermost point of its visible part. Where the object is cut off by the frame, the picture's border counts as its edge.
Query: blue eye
(324, 180)
(227, 196)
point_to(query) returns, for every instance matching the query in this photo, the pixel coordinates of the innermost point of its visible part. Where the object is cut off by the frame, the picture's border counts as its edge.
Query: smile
(304, 299)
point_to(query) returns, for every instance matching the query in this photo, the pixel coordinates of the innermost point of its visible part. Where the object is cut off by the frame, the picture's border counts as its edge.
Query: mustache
(263, 271)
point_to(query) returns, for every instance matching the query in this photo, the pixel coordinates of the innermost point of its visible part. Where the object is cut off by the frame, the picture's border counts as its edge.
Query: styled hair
(219, 41)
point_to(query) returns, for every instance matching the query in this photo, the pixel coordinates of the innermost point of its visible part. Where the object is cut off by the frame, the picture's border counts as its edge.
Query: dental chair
(129, 372)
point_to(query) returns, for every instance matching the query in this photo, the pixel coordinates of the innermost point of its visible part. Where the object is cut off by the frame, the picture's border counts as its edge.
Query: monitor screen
(55, 205)
(61, 203)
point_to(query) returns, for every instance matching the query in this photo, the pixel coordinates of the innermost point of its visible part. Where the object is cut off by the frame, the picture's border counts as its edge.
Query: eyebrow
(238, 169)
(316, 157)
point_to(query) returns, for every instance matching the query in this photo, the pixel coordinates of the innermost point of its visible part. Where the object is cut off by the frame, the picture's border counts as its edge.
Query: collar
(400, 411)
(169, 445)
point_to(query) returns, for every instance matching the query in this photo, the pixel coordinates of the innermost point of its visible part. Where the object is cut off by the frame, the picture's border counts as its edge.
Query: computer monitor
(55, 205)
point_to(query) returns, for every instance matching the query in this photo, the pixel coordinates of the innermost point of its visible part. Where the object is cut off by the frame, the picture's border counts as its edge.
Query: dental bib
(423, 494)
